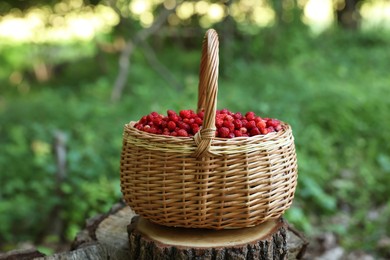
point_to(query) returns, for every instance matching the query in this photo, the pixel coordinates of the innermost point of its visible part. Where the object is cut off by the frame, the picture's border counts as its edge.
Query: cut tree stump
(121, 234)
(151, 241)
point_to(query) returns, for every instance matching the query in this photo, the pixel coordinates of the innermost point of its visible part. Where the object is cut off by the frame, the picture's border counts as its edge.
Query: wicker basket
(205, 181)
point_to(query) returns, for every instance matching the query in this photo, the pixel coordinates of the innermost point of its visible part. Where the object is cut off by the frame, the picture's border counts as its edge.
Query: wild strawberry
(278, 128)
(237, 133)
(152, 130)
(224, 111)
(250, 116)
(219, 122)
(174, 118)
(201, 114)
(171, 125)
(143, 120)
(238, 115)
(237, 123)
(157, 121)
(182, 132)
(183, 125)
(164, 122)
(195, 128)
(258, 119)
(254, 131)
(228, 125)
(272, 122)
(173, 133)
(264, 131)
(223, 132)
(198, 121)
(260, 124)
(171, 113)
(154, 114)
(139, 127)
(243, 130)
(186, 113)
(251, 124)
(231, 135)
(270, 129)
(229, 118)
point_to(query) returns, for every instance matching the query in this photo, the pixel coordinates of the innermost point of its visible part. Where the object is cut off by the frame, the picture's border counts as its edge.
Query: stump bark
(263, 242)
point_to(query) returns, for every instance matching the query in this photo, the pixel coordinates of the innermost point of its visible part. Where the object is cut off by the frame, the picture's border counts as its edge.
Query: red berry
(278, 128)
(195, 128)
(152, 130)
(139, 127)
(198, 121)
(224, 111)
(272, 122)
(171, 113)
(229, 118)
(183, 125)
(260, 124)
(157, 121)
(254, 131)
(250, 116)
(201, 114)
(218, 122)
(143, 120)
(238, 115)
(171, 125)
(228, 125)
(237, 123)
(251, 124)
(186, 113)
(243, 130)
(231, 135)
(264, 131)
(237, 133)
(182, 132)
(223, 132)
(270, 129)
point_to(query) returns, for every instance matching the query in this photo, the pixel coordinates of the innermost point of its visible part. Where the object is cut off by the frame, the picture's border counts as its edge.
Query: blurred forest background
(73, 72)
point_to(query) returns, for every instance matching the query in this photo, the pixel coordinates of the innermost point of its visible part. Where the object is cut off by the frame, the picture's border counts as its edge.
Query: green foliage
(333, 90)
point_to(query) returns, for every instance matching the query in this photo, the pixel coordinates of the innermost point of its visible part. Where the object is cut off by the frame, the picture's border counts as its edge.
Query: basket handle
(207, 93)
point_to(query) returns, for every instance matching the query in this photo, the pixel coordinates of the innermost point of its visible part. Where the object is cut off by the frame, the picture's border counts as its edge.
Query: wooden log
(152, 241)
(107, 236)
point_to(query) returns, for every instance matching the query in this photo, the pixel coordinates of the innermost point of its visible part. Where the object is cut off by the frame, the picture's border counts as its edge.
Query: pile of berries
(188, 123)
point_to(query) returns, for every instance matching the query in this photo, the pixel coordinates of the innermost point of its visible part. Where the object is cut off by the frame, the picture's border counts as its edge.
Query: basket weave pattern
(204, 181)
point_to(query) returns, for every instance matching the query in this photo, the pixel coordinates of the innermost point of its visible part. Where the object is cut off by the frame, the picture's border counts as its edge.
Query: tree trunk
(348, 15)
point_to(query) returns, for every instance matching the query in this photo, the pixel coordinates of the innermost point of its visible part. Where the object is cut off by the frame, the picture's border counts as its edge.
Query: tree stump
(120, 234)
(151, 241)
